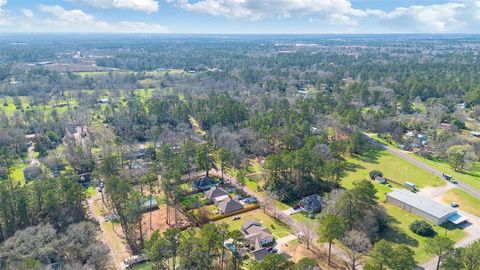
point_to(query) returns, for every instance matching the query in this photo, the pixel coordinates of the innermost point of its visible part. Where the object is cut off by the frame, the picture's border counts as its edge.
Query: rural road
(421, 165)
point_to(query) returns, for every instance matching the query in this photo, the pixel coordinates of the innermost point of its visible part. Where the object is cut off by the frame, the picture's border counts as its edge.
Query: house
(432, 211)
(312, 203)
(229, 205)
(422, 138)
(259, 252)
(254, 232)
(204, 183)
(32, 172)
(215, 192)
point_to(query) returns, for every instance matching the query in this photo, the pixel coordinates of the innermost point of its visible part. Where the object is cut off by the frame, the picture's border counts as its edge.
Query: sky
(240, 16)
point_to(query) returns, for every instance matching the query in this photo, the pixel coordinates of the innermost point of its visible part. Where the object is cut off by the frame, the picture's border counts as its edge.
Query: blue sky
(241, 16)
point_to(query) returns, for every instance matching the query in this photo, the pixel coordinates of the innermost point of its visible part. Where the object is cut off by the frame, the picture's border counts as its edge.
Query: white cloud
(4, 20)
(27, 12)
(140, 5)
(430, 18)
(336, 11)
(59, 19)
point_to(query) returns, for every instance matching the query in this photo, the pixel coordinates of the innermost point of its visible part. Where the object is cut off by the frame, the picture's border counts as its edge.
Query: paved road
(287, 219)
(421, 165)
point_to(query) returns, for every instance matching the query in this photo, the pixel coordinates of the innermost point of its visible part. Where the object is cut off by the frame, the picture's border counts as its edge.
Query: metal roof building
(424, 207)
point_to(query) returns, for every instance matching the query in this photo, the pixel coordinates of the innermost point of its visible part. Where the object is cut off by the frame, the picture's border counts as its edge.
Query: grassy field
(465, 200)
(470, 177)
(401, 234)
(17, 173)
(392, 167)
(143, 266)
(278, 229)
(303, 218)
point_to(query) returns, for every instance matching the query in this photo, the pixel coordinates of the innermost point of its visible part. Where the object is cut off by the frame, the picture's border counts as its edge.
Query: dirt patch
(159, 219)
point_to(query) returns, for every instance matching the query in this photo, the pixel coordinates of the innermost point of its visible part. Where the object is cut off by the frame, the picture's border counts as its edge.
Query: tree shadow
(371, 156)
(393, 234)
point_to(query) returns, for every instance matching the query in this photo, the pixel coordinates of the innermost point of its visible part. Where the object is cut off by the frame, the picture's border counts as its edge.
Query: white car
(454, 205)
(134, 260)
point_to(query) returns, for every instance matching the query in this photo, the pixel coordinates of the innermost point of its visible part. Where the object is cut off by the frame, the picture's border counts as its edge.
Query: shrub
(422, 228)
(375, 173)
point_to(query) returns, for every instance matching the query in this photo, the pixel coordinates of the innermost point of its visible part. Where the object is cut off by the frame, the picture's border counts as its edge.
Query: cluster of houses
(217, 195)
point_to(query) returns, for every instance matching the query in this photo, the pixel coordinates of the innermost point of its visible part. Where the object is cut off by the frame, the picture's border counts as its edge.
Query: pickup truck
(134, 260)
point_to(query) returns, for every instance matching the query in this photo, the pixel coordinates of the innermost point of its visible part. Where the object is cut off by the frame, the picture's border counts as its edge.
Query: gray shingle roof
(424, 204)
(228, 205)
(215, 192)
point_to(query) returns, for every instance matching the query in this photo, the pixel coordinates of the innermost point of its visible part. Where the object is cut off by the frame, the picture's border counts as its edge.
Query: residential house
(215, 192)
(229, 205)
(204, 184)
(312, 203)
(32, 172)
(254, 232)
(259, 252)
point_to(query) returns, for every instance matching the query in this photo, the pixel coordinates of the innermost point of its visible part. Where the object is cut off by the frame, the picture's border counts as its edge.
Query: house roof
(313, 201)
(215, 192)
(249, 223)
(205, 181)
(424, 204)
(260, 253)
(229, 205)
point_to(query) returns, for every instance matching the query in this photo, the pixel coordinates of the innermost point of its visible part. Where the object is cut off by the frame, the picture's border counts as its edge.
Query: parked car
(134, 260)
(454, 205)
(446, 176)
(454, 181)
(250, 200)
(236, 217)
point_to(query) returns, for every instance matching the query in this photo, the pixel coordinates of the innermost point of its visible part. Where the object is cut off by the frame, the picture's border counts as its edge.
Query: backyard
(277, 228)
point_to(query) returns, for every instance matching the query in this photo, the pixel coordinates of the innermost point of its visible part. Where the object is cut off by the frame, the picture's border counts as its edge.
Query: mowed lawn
(465, 200)
(277, 228)
(400, 233)
(391, 166)
(470, 177)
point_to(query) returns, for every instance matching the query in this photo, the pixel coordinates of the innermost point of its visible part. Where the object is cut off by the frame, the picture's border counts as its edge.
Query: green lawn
(465, 200)
(16, 172)
(392, 167)
(302, 217)
(278, 229)
(401, 234)
(143, 266)
(470, 177)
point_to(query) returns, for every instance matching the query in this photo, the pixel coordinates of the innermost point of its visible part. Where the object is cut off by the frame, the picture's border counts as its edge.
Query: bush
(422, 228)
(375, 173)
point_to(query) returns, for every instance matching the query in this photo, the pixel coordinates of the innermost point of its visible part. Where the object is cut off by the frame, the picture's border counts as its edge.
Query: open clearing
(391, 166)
(466, 201)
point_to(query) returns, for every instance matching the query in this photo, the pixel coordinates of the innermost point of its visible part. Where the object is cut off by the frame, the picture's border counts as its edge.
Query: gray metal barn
(432, 211)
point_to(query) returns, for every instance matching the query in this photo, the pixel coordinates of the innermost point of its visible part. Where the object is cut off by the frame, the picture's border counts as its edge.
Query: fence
(246, 209)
